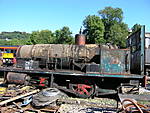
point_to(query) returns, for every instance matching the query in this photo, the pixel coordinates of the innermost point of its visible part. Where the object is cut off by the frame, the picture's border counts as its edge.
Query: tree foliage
(118, 34)
(116, 30)
(136, 27)
(3, 42)
(94, 29)
(63, 36)
(15, 34)
(16, 41)
(14, 38)
(41, 37)
(110, 15)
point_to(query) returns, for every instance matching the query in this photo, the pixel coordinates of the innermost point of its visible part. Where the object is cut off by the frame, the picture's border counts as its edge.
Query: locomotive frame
(79, 84)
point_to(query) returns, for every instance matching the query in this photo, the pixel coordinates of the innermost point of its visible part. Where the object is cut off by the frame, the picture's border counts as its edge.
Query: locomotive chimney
(80, 38)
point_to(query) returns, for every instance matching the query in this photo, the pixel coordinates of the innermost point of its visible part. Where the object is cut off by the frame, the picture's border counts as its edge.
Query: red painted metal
(82, 89)
(42, 80)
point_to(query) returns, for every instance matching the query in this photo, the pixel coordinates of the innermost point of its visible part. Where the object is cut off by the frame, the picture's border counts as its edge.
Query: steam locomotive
(81, 69)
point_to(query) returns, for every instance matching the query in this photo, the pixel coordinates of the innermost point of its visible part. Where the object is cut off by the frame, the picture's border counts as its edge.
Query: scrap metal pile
(24, 99)
(132, 106)
(20, 99)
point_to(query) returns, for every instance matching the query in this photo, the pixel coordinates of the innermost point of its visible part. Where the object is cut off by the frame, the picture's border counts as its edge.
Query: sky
(33, 15)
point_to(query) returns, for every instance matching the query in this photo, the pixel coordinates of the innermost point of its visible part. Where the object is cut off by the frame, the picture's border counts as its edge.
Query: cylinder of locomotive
(79, 39)
(17, 78)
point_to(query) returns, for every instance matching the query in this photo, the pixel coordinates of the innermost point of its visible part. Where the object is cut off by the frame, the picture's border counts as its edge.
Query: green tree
(135, 27)
(94, 29)
(16, 41)
(41, 37)
(47, 36)
(116, 30)
(118, 35)
(110, 15)
(15, 34)
(34, 37)
(63, 36)
(3, 42)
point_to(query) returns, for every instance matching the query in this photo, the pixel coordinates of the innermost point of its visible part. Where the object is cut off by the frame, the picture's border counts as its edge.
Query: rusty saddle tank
(60, 55)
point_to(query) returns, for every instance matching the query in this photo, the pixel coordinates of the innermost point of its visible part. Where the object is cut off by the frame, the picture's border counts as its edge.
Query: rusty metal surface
(80, 39)
(24, 51)
(17, 78)
(132, 106)
(57, 51)
(41, 50)
(87, 51)
(113, 61)
(136, 43)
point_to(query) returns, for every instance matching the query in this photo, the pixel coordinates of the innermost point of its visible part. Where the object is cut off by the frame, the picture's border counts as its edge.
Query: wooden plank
(18, 97)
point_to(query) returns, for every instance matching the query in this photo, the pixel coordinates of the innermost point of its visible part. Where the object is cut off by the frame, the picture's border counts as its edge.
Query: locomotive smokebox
(79, 39)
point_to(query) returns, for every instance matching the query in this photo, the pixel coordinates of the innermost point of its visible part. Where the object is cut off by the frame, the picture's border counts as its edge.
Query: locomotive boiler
(59, 56)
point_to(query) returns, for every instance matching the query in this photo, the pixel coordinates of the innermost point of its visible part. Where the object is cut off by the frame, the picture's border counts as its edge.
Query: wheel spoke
(82, 90)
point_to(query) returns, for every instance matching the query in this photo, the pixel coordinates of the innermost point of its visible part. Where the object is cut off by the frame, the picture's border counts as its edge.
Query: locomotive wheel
(82, 90)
